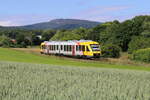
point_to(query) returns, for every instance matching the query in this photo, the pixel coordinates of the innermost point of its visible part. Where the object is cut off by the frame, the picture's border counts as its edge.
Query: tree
(66, 35)
(138, 42)
(94, 33)
(48, 34)
(5, 41)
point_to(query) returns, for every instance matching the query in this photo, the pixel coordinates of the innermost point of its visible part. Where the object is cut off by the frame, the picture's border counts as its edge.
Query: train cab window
(87, 48)
(43, 46)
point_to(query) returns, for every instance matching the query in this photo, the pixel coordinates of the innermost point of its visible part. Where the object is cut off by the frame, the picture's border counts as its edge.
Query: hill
(62, 24)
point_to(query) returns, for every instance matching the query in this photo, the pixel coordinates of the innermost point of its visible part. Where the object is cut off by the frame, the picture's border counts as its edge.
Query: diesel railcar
(80, 48)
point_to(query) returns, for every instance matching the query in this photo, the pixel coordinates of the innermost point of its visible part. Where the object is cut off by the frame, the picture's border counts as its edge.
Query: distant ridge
(62, 24)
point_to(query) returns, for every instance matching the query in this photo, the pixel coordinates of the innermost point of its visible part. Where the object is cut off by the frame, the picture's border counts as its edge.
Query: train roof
(69, 42)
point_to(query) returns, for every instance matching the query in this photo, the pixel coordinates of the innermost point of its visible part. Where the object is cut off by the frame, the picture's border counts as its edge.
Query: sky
(25, 12)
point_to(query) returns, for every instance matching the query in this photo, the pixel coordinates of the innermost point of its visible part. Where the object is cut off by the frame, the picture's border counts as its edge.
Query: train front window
(95, 47)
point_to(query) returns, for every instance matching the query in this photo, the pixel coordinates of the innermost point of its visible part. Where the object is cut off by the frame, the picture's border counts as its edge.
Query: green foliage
(138, 42)
(48, 82)
(48, 34)
(94, 33)
(5, 41)
(111, 51)
(65, 35)
(109, 35)
(142, 55)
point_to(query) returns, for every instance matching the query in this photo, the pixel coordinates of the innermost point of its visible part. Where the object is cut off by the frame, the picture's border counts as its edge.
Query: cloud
(7, 23)
(101, 13)
(19, 20)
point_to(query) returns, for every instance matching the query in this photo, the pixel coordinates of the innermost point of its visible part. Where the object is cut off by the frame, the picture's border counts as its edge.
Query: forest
(132, 36)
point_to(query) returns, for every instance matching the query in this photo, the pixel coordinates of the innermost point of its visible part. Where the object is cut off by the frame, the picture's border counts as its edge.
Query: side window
(76, 47)
(61, 47)
(80, 48)
(83, 48)
(71, 47)
(68, 47)
(64, 47)
(49, 47)
(87, 48)
(57, 47)
(52, 47)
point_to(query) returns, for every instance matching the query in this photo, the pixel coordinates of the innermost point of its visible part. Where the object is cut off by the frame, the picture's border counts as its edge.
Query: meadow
(24, 81)
(7, 54)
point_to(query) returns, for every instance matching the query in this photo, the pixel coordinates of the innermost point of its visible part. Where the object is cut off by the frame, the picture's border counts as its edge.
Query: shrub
(142, 55)
(5, 41)
(138, 43)
(111, 50)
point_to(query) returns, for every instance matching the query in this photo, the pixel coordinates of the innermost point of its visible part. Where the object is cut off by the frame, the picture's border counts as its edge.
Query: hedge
(142, 55)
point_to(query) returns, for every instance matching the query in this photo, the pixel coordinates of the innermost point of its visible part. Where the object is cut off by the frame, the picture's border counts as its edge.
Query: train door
(47, 49)
(73, 50)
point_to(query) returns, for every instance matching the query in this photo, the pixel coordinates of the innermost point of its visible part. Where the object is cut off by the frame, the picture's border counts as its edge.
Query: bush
(142, 55)
(5, 41)
(111, 51)
(138, 43)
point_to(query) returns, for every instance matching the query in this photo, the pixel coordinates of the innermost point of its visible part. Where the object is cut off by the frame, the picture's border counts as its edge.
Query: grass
(20, 56)
(23, 81)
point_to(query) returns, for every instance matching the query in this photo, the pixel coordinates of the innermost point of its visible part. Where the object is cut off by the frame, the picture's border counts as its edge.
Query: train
(74, 48)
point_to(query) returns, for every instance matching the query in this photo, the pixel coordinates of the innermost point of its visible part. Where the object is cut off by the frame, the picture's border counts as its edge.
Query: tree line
(129, 35)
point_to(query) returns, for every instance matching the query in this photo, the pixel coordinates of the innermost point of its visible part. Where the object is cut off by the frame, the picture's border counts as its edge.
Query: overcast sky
(23, 12)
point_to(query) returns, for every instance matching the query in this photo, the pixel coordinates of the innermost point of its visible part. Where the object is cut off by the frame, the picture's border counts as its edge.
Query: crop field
(24, 81)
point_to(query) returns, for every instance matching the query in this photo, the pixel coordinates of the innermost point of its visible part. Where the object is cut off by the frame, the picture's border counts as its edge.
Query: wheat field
(23, 81)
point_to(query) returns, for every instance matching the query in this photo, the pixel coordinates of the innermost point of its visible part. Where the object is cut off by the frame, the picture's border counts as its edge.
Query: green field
(20, 56)
(23, 81)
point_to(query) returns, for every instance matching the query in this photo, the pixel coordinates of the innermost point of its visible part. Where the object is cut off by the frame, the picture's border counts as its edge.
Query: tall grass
(22, 81)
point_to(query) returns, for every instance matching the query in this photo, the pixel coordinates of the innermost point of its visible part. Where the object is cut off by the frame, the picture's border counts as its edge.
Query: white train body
(71, 48)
